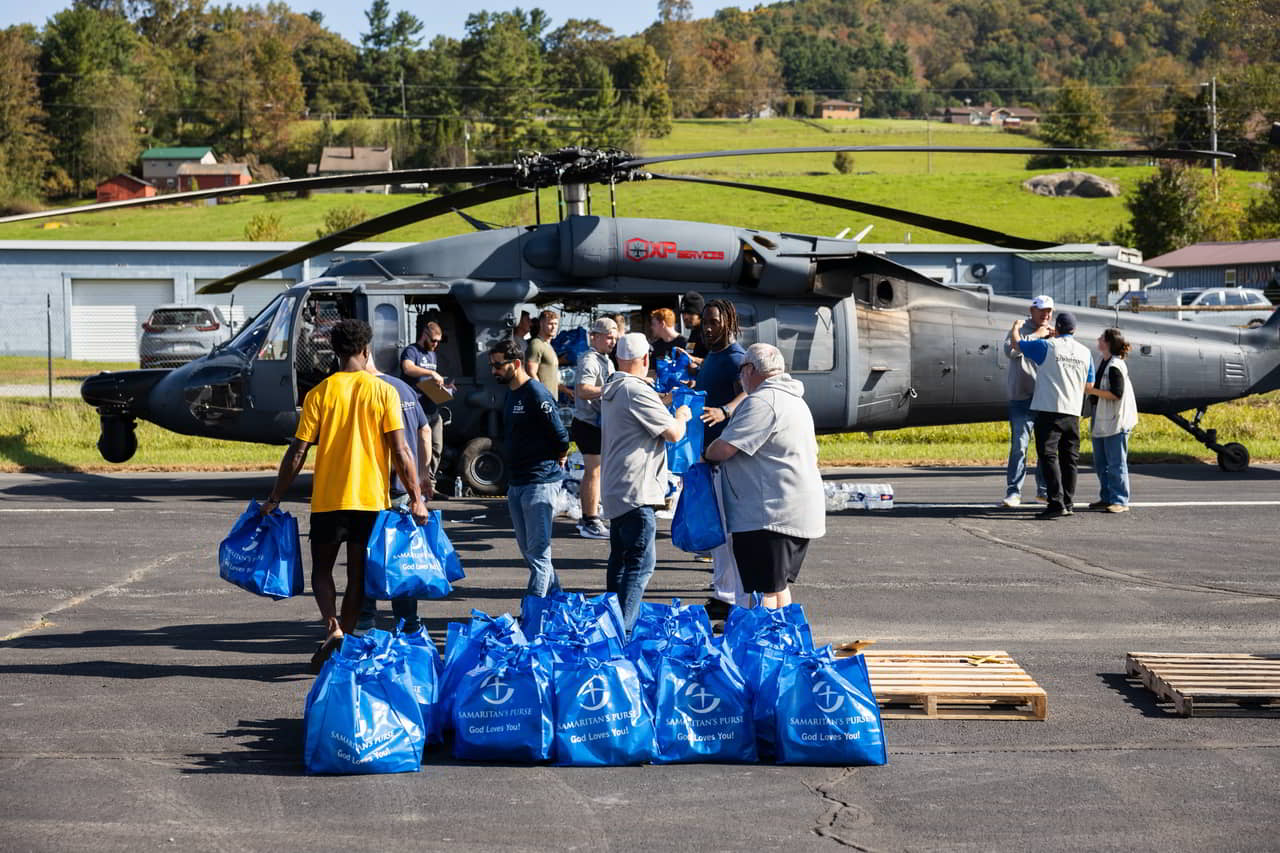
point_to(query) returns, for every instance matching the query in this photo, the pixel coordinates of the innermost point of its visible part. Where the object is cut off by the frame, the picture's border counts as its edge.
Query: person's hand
(684, 413)
(418, 509)
(268, 505)
(667, 398)
(713, 415)
(428, 489)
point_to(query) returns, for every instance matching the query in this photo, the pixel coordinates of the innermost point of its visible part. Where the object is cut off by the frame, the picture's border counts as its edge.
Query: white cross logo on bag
(698, 696)
(592, 688)
(500, 695)
(824, 691)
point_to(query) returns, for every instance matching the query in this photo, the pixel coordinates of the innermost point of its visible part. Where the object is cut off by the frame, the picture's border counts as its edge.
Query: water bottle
(457, 487)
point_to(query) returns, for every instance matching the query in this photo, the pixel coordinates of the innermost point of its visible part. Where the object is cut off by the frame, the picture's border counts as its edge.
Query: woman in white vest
(1115, 415)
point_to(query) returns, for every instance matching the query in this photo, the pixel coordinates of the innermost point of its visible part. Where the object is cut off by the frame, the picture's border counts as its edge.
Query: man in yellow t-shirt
(353, 419)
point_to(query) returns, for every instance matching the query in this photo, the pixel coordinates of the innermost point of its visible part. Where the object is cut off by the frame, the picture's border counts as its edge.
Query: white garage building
(94, 296)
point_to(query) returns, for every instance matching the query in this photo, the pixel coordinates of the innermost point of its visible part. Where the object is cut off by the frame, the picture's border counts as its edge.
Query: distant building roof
(836, 102)
(353, 158)
(175, 153)
(125, 176)
(1220, 255)
(1051, 257)
(213, 169)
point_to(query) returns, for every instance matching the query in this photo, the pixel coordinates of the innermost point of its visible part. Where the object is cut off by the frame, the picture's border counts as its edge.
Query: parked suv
(1236, 296)
(176, 334)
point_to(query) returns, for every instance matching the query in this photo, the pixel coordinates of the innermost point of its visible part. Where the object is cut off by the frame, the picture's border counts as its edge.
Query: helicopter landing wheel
(118, 441)
(1233, 458)
(482, 468)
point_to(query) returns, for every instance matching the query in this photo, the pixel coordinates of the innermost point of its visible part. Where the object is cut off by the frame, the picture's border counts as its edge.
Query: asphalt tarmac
(145, 704)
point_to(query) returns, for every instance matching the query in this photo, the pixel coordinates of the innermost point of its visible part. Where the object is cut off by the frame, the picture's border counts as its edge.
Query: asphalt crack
(840, 815)
(1083, 567)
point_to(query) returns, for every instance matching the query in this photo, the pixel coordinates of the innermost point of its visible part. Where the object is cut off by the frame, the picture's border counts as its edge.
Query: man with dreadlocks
(718, 377)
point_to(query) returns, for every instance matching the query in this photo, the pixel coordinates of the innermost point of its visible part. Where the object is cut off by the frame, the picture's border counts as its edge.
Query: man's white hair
(766, 359)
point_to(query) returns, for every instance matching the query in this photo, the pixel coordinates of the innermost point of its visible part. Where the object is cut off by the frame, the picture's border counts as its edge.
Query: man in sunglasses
(418, 362)
(535, 443)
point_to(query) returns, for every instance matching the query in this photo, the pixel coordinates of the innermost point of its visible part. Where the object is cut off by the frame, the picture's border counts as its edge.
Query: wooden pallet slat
(950, 685)
(1193, 680)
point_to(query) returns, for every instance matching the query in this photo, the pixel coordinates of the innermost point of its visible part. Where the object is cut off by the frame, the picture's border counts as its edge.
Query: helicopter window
(276, 345)
(249, 339)
(806, 337)
(747, 333)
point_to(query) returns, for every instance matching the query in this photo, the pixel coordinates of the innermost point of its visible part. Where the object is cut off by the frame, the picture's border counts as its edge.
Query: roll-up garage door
(107, 315)
(250, 297)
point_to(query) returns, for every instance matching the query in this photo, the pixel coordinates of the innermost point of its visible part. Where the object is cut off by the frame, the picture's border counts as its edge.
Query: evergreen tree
(385, 54)
(1166, 210)
(24, 146)
(1078, 119)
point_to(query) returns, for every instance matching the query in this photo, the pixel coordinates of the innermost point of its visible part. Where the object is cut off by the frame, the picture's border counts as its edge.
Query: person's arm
(750, 428)
(719, 451)
(424, 463)
(402, 461)
(290, 466)
(713, 415)
(676, 430)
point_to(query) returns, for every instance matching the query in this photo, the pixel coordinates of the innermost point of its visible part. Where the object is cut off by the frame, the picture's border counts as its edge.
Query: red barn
(207, 176)
(122, 187)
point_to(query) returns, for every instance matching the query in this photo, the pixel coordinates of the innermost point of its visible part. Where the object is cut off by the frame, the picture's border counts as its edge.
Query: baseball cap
(1042, 302)
(603, 326)
(1065, 323)
(693, 303)
(631, 346)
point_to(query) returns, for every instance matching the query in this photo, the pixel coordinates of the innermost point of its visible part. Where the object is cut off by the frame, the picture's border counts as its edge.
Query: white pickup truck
(1254, 307)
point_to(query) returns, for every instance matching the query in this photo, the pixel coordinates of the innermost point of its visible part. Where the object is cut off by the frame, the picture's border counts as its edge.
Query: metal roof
(1055, 257)
(175, 153)
(1220, 254)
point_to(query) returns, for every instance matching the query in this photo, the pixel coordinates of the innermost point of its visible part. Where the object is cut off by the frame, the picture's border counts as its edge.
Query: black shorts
(586, 436)
(342, 525)
(768, 561)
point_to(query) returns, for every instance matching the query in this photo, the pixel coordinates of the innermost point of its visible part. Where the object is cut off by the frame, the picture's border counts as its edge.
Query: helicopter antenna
(840, 236)
(857, 238)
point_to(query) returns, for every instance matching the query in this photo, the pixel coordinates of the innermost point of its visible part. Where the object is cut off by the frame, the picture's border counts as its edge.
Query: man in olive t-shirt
(541, 361)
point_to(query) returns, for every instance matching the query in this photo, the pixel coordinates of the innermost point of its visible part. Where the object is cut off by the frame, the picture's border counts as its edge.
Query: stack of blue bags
(566, 684)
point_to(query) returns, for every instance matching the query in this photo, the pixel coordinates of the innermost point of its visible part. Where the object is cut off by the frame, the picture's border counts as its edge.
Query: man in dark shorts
(594, 368)
(353, 418)
(773, 500)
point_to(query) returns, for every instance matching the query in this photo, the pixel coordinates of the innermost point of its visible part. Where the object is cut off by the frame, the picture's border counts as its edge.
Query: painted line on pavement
(66, 509)
(1029, 505)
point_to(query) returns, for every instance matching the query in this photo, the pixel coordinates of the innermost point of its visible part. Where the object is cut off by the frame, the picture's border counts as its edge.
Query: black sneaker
(1098, 505)
(717, 608)
(1050, 512)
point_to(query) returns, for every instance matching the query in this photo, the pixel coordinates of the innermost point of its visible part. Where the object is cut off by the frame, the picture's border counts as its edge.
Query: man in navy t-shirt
(418, 361)
(535, 443)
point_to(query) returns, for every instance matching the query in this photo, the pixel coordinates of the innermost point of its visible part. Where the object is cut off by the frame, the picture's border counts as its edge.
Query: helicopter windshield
(249, 340)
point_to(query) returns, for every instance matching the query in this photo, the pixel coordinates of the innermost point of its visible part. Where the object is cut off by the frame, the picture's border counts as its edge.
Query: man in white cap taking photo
(1021, 385)
(635, 427)
(593, 370)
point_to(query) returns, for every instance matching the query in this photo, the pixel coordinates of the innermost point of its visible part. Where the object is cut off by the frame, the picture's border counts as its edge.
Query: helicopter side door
(815, 345)
(271, 381)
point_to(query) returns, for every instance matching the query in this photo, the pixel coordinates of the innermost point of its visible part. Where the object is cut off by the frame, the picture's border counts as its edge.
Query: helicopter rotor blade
(945, 226)
(1156, 153)
(448, 175)
(453, 202)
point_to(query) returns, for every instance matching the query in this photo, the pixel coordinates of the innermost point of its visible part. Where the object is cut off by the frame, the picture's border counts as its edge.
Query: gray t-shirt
(593, 369)
(633, 453)
(1021, 382)
(773, 482)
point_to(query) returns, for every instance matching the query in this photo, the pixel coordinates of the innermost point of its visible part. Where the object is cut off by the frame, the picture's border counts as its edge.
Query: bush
(844, 162)
(263, 227)
(340, 218)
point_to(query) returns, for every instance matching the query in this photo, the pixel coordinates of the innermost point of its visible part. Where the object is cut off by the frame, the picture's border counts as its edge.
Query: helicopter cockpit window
(747, 334)
(806, 337)
(276, 345)
(249, 339)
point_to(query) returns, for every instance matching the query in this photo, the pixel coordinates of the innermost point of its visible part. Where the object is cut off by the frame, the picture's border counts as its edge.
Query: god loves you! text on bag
(696, 525)
(398, 563)
(601, 715)
(503, 708)
(702, 711)
(261, 554)
(826, 712)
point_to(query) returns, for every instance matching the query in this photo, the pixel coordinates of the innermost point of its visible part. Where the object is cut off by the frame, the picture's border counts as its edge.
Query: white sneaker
(593, 529)
(1012, 501)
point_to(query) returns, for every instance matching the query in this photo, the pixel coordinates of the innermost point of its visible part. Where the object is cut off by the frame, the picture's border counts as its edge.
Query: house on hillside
(956, 115)
(352, 159)
(205, 176)
(124, 186)
(1013, 118)
(1251, 263)
(160, 165)
(836, 108)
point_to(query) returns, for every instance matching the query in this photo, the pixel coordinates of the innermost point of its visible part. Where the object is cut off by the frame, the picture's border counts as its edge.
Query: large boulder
(1078, 184)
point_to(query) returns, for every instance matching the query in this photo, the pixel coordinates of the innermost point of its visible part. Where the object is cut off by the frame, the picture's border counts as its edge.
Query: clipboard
(435, 392)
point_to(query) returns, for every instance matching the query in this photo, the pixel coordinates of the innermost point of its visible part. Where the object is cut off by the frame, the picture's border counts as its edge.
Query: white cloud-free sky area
(346, 17)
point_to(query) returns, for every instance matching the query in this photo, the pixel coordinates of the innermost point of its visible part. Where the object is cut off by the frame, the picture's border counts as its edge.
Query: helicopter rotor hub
(575, 165)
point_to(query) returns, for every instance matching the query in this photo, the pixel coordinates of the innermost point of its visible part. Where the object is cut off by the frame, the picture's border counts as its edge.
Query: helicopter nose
(123, 392)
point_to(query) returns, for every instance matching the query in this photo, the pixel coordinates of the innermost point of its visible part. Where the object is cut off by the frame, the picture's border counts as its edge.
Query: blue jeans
(632, 557)
(1021, 426)
(532, 507)
(1111, 461)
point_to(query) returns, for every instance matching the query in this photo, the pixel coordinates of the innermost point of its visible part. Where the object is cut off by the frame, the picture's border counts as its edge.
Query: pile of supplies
(842, 496)
(565, 684)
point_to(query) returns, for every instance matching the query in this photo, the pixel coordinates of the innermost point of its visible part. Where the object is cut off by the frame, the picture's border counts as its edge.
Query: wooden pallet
(943, 685)
(1209, 683)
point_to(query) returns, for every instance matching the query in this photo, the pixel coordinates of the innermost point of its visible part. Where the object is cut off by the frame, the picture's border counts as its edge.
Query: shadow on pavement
(283, 637)
(1134, 694)
(265, 672)
(271, 747)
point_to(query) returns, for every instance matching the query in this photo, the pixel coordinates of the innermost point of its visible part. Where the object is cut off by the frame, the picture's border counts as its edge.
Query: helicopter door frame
(269, 372)
(826, 390)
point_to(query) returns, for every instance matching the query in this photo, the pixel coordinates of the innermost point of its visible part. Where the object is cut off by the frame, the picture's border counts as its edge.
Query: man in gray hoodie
(635, 427)
(768, 455)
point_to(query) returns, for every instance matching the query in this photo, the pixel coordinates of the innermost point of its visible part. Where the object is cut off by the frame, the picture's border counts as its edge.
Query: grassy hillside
(982, 189)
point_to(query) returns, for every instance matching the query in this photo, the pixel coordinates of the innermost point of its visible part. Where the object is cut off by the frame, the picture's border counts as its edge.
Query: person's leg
(515, 508)
(1100, 467)
(724, 568)
(437, 445)
(590, 490)
(323, 556)
(1020, 430)
(1047, 449)
(405, 609)
(538, 504)
(1118, 456)
(353, 595)
(614, 568)
(1069, 457)
(639, 529)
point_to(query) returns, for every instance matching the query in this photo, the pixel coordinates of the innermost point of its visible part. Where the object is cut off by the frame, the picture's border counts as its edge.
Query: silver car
(175, 334)
(1242, 297)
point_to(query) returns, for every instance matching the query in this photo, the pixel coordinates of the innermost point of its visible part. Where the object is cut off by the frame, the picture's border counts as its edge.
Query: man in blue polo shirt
(1064, 370)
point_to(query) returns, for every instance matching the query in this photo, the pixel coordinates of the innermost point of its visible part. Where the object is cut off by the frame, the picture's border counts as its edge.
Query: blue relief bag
(574, 625)
(826, 712)
(423, 660)
(672, 372)
(398, 563)
(696, 525)
(361, 717)
(688, 450)
(702, 711)
(464, 650)
(443, 549)
(601, 716)
(502, 711)
(571, 344)
(262, 554)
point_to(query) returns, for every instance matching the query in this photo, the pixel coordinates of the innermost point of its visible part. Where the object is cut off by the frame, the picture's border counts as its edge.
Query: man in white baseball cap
(635, 427)
(1021, 385)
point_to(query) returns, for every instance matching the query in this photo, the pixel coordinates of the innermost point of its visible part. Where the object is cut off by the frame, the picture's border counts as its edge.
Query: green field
(983, 189)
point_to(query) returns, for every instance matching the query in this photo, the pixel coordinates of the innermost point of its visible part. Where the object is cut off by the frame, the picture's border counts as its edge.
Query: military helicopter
(877, 345)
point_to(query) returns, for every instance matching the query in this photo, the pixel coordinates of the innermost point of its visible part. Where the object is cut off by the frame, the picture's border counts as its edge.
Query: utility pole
(1212, 108)
(404, 109)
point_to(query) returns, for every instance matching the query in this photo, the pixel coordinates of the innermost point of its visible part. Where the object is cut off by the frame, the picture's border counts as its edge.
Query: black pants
(1058, 446)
